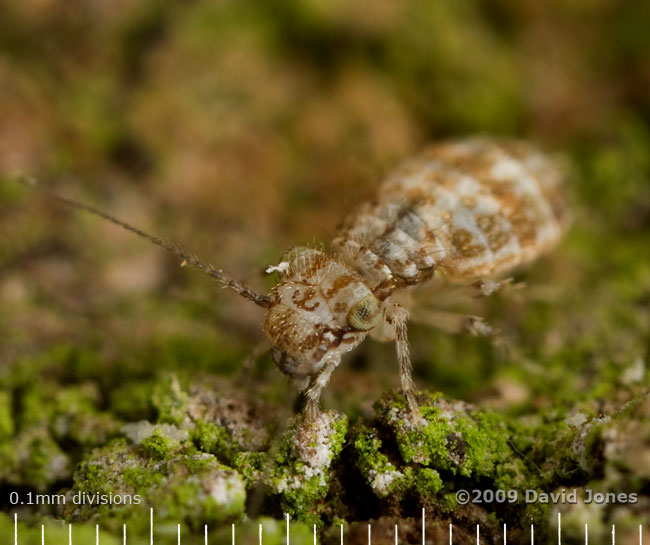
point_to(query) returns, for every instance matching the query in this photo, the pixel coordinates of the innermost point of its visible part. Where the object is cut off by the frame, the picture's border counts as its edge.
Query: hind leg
(453, 322)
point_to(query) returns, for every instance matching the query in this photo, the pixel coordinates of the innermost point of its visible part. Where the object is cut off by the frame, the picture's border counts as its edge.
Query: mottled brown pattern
(280, 329)
(525, 222)
(340, 306)
(302, 295)
(492, 228)
(427, 186)
(309, 342)
(442, 178)
(464, 244)
(477, 163)
(340, 283)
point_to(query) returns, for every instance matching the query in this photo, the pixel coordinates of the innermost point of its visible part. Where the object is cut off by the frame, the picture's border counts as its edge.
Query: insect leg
(453, 322)
(316, 385)
(398, 316)
(484, 287)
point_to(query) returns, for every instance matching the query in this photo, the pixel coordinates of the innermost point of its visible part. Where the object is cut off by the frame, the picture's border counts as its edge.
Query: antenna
(185, 257)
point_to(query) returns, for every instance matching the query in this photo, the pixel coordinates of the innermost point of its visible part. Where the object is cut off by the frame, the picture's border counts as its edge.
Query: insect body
(471, 209)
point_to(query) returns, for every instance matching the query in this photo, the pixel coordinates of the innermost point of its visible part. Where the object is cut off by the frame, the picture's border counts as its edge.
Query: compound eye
(365, 315)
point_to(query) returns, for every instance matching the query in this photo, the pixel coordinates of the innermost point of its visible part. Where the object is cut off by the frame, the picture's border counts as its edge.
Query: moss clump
(379, 473)
(39, 461)
(7, 425)
(75, 416)
(215, 439)
(7, 428)
(428, 482)
(132, 401)
(453, 436)
(180, 483)
(158, 446)
(170, 401)
(43, 426)
(300, 471)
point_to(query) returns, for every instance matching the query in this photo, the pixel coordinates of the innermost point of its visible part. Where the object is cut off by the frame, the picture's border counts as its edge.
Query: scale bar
(315, 535)
(423, 529)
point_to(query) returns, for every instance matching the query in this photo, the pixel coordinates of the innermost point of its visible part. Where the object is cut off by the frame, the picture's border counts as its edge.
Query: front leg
(317, 382)
(397, 316)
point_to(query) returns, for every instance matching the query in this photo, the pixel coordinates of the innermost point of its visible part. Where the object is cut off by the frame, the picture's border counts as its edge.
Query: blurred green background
(240, 129)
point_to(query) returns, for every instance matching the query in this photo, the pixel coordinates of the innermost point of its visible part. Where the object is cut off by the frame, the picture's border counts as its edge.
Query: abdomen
(469, 208)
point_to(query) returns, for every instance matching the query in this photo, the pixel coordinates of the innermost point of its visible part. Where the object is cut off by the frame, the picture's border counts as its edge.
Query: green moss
(250, 465)
(299, 472)
(7, 426)
(42, 463)
(379, 473)
(142, 478)
(8, 461)
(159, 446)
(75, 416)
(132, 401)
(350, 89)
(455, 438)
(428, 482)
(36, 404)
(170, 401)
(179, 483)
(486, 443)
(215, 439)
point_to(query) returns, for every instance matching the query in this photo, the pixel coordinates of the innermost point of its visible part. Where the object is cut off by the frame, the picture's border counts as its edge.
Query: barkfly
(470, 209)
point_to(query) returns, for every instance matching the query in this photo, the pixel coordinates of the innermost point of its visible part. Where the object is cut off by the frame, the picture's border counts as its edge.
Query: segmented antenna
(186, 258)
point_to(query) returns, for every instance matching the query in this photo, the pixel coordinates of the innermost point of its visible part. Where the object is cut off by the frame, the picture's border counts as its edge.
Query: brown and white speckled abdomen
(472, 208)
